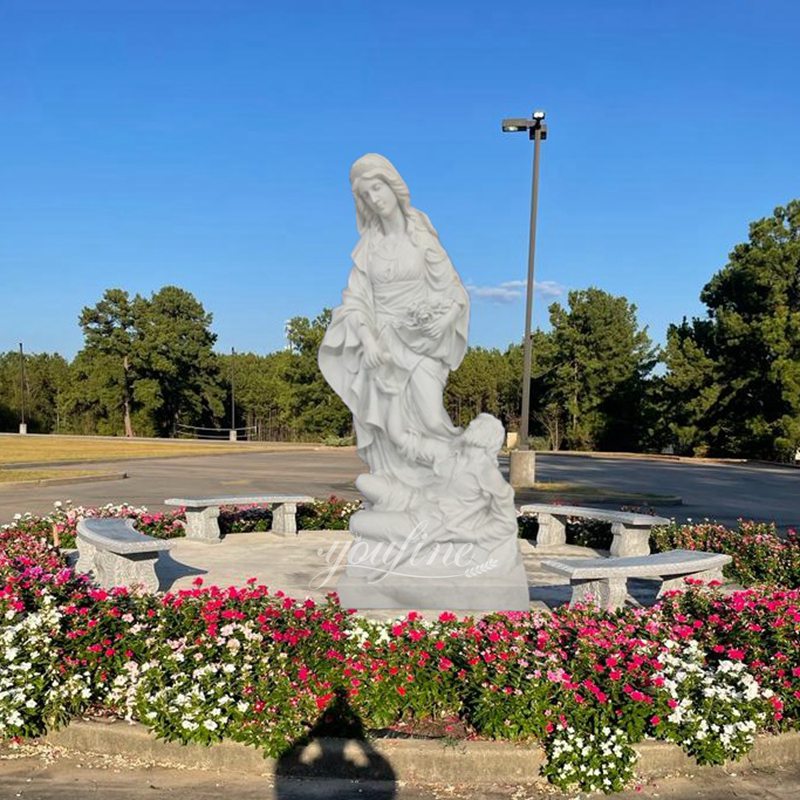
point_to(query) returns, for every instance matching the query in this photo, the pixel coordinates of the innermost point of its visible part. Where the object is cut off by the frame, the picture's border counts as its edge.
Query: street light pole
(232, 433)
(23, 428)
(523, 460)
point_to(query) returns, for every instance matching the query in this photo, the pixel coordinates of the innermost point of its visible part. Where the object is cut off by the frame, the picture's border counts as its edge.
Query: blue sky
(207, 145)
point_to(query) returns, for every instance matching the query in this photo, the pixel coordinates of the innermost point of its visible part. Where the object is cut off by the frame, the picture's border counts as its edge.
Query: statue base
(507, 592)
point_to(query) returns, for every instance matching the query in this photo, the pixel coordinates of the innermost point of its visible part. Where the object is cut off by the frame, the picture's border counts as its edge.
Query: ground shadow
(168, 570)
(551, 594)
(335, 761)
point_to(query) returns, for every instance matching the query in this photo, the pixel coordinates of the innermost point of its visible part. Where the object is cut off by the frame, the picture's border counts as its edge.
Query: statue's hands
(437, 327)
(373, 357)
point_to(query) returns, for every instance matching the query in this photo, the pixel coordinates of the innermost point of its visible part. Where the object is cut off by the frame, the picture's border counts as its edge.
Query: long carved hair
(372, 166)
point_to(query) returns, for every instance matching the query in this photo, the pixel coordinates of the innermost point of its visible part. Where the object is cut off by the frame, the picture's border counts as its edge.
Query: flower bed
(252, 665)
(60, 526)
(760, 555)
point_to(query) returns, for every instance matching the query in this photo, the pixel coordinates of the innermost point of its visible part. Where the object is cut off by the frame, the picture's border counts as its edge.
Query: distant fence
(245, 433)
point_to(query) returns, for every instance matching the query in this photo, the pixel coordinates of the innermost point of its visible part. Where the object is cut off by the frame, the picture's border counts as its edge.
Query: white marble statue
(438, 512)
(401, 328)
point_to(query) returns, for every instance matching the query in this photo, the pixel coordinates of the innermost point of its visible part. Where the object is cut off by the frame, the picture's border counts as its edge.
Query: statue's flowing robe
(406, 391)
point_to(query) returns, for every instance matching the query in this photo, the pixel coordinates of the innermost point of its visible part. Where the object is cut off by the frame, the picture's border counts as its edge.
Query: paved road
(721, 491)
(58, 776)
(718, 491)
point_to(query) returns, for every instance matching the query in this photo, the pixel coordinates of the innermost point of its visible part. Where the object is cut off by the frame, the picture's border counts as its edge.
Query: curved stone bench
(630, 531)
(117, 554)
(603, 581)
(202, 513)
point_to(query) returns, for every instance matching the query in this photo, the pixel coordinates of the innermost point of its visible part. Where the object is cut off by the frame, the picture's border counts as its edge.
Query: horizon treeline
(728, 383)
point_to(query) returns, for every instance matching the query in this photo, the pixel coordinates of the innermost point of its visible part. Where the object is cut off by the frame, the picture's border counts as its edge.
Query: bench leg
(630, 540)
(552, 530)
(86, 554)
(202, 525)
(607, 593)
(113, 569)
(670, 583)
(284, 519)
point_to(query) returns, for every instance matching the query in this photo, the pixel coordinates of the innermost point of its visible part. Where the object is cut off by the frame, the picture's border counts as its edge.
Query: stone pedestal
(522, 473)
(508, 592)
(202, 525)
(630, 540)
(397, 561)
(284, 519)
(552, 530)
(606, 594)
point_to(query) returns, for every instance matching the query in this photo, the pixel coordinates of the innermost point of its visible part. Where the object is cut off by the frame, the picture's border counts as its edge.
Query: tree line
(727, 383)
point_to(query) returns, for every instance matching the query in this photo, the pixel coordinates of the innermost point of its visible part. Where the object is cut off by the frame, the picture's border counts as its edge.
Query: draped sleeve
(341, 352)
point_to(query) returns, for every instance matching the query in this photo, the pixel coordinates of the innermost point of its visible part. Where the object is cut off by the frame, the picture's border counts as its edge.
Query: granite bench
(603, 581)
(202, 513)
(630, 531)
(117, 554)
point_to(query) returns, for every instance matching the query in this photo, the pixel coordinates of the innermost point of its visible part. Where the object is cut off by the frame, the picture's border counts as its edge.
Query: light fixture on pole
(523, 460)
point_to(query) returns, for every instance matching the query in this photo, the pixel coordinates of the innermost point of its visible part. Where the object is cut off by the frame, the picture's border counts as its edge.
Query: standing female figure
(401, 328)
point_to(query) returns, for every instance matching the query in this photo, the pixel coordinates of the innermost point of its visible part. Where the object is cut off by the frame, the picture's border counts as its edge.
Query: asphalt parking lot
(720, 491)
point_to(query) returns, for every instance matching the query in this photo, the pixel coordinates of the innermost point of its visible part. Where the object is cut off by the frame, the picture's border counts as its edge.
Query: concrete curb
(103, 476)
(412, 760)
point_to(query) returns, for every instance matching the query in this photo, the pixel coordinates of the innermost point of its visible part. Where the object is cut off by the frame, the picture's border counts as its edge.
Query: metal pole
(233, 397)
(233, 400)
(526, 368)
(21, 388)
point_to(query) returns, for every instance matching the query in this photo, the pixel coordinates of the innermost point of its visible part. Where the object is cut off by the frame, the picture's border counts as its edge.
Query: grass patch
(566, 491)
(15, 449)
(15, 475)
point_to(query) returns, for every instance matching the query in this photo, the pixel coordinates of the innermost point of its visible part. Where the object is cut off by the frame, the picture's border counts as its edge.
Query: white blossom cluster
(31, 686)
(196, 694)
(716, 709)
(601, 762)
(361, 632)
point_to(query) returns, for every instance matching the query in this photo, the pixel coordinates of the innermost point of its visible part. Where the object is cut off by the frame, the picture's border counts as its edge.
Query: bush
(760, 555)
(330, 514)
